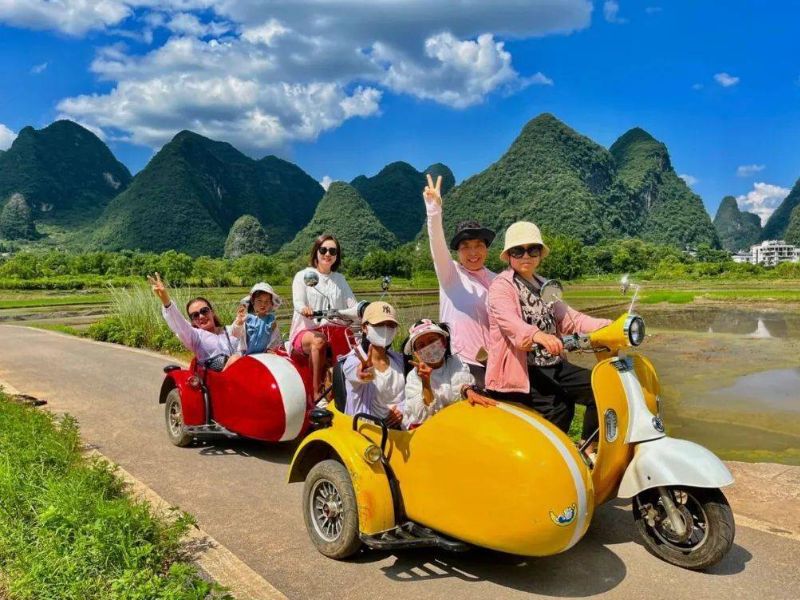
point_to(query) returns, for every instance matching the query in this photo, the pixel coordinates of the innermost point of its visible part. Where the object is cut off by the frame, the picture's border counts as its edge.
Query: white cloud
(749, 170)
(291, 70)
(73, 17)
(726, 80)
(763, 199)
(6, 137)
(611, 12)
(461, 72)
(36, 69)
(689, 179)
(326, 182)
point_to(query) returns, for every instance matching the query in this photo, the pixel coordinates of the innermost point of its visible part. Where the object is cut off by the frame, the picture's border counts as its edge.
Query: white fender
(669, 461)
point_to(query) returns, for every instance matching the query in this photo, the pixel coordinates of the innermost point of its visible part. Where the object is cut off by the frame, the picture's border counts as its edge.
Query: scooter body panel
(668, 461)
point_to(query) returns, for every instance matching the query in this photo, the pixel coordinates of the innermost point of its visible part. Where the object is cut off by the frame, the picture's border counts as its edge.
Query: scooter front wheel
(705, 525)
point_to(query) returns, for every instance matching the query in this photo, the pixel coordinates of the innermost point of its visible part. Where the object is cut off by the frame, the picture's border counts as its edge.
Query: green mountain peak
(776, 226)
(737, 230)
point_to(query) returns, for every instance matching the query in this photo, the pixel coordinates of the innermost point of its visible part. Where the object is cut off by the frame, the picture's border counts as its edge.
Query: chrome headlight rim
(634, 339)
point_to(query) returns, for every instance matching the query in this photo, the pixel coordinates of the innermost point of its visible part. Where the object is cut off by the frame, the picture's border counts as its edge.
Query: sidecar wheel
(330, 510)
(173, 415)
(710, 526)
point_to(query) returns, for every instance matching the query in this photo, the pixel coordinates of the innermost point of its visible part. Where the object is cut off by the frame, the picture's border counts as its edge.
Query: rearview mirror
(310, 278)
(552, 291)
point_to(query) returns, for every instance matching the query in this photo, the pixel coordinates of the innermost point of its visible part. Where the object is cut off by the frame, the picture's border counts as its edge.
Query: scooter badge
(565, 518)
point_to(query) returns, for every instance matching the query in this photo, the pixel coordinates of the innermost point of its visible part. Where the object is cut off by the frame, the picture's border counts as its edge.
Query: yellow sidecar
(498, 477)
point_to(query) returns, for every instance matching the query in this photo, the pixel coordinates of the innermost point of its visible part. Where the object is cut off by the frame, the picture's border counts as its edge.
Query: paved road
(237, 491)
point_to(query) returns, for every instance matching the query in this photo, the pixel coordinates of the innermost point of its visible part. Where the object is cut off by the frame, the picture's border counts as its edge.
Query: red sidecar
(263, 396)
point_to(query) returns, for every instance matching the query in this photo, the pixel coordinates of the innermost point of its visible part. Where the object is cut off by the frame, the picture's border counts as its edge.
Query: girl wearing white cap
(373, 372)
(255, 324)
(439, 378)
(526, 362)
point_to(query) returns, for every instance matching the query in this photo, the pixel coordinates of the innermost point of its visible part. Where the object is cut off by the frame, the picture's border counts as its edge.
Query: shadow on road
(590, 568)
(278, 453)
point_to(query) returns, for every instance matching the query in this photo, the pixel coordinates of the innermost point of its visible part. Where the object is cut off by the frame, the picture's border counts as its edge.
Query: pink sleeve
(503, 306)
(571, 321)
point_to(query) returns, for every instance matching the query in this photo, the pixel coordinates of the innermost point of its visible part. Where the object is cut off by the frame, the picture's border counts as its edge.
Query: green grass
(57, 327)
(44, 301)
(69, 529)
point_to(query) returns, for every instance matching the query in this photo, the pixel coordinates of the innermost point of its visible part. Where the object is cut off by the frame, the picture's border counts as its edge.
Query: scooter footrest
(411, 535)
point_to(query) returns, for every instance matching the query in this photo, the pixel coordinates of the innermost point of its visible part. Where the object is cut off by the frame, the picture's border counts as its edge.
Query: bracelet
(466, 388)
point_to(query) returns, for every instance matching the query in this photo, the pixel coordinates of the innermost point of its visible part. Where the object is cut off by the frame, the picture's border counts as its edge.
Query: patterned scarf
(539, 313)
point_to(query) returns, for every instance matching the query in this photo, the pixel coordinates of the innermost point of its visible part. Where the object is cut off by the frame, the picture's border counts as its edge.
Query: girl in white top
(439, 378)
(332, 291)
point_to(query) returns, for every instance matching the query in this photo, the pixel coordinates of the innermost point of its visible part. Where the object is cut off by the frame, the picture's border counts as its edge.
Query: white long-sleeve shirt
(446, 384)
(462, 293)
(332, 291)
(203, 343)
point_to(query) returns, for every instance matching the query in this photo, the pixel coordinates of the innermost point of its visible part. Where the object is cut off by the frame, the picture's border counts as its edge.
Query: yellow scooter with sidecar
(506, 479)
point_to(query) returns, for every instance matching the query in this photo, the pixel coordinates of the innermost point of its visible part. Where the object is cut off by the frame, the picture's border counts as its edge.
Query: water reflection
(755, 324)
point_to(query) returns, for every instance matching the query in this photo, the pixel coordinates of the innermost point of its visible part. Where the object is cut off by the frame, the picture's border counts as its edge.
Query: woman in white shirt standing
(331, 292)
(439, 378)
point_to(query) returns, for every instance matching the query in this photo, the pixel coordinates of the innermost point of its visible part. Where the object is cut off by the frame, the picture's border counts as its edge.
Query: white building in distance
(770, 253)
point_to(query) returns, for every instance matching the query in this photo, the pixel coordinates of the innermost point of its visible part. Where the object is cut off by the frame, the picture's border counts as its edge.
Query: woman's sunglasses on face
(520, 251)
(205, 311)
(323, 250)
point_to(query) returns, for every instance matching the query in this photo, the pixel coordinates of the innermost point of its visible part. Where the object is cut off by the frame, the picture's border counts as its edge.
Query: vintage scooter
(504, 478)
(263, 396)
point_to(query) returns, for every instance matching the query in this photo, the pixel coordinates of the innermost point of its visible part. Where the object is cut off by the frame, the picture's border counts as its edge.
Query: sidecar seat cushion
(339, 389)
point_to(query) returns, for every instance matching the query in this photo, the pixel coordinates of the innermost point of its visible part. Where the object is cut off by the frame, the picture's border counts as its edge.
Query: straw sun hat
(523, 233)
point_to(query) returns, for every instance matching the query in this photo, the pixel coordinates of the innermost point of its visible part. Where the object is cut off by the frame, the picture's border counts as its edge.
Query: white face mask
(381, 335)
(433, 353)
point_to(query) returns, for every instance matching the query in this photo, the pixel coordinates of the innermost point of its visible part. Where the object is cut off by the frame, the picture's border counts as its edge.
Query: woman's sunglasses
(323, 250)
(205, 311)
(520, 251)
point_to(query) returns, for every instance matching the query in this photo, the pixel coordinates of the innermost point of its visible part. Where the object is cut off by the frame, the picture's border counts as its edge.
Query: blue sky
(343, 87)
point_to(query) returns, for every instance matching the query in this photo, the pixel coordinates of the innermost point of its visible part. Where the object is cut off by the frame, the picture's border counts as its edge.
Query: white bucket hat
(265, 287)
(421, 328)
(523, 233)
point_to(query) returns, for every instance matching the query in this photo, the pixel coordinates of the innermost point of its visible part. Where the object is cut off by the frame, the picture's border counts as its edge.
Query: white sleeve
(415, 411)
(348, 297)
(181, 327)
(442, 261)
(460, 376)
(299, 298)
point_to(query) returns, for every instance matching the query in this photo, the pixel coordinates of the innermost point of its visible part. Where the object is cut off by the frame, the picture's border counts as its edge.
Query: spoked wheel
(330, 511)
(705, 525)
(173, 414)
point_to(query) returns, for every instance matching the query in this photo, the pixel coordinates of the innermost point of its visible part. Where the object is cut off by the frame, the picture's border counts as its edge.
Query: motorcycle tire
(173, 416)
(330, 510)
(713, 527)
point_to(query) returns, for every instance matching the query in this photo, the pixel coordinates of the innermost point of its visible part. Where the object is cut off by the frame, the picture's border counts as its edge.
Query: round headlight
(634, 328)
(372, 454)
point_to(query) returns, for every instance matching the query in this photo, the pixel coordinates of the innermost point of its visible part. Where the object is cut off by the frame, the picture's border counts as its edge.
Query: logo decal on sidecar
(566, 517)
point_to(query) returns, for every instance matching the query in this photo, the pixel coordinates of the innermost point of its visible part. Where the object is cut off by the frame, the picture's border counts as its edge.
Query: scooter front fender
(668, 461)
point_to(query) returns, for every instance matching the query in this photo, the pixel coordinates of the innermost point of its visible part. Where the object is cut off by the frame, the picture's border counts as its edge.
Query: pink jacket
(507, 368)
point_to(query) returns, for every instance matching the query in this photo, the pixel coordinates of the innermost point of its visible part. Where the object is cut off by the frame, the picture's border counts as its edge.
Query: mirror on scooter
(552, 291)
(310, 278)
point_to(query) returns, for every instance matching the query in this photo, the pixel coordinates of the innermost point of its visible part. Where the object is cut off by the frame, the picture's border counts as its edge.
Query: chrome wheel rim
(175, 419)
(694, 517)
(327, 510)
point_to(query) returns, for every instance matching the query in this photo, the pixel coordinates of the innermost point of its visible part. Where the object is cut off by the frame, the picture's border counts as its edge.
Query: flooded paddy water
(730, 377)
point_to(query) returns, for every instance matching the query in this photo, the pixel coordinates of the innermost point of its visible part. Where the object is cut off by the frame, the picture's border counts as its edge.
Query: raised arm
(175, 320)
(442, 261)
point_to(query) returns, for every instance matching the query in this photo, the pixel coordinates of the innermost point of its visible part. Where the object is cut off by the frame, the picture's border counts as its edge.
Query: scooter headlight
(634, 329)
(372, 454)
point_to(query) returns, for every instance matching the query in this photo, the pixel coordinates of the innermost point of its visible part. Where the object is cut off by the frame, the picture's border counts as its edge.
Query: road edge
(219, 563)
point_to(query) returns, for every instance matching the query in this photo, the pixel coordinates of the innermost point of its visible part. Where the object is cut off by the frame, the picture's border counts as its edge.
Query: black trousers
(554, 393)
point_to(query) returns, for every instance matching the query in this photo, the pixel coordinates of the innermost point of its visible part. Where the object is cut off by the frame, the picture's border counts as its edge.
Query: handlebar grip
(571, 343)
(318, 313)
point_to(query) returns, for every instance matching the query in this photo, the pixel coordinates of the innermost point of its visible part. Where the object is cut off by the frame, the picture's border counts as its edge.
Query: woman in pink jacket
(526, 356)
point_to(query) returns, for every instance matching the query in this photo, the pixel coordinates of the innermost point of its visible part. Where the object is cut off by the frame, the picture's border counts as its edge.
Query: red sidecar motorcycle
(265, 396)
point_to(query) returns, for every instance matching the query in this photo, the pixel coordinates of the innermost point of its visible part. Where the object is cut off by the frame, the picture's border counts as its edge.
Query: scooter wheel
(330, 510)
(708, 520)
(173, 416)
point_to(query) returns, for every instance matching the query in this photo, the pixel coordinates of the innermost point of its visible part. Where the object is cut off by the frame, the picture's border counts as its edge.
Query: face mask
(380, 335)
(433, 353)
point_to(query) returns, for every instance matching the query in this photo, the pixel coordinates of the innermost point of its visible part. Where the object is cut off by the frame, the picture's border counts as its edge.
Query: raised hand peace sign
(159, 289)
(433, 193)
